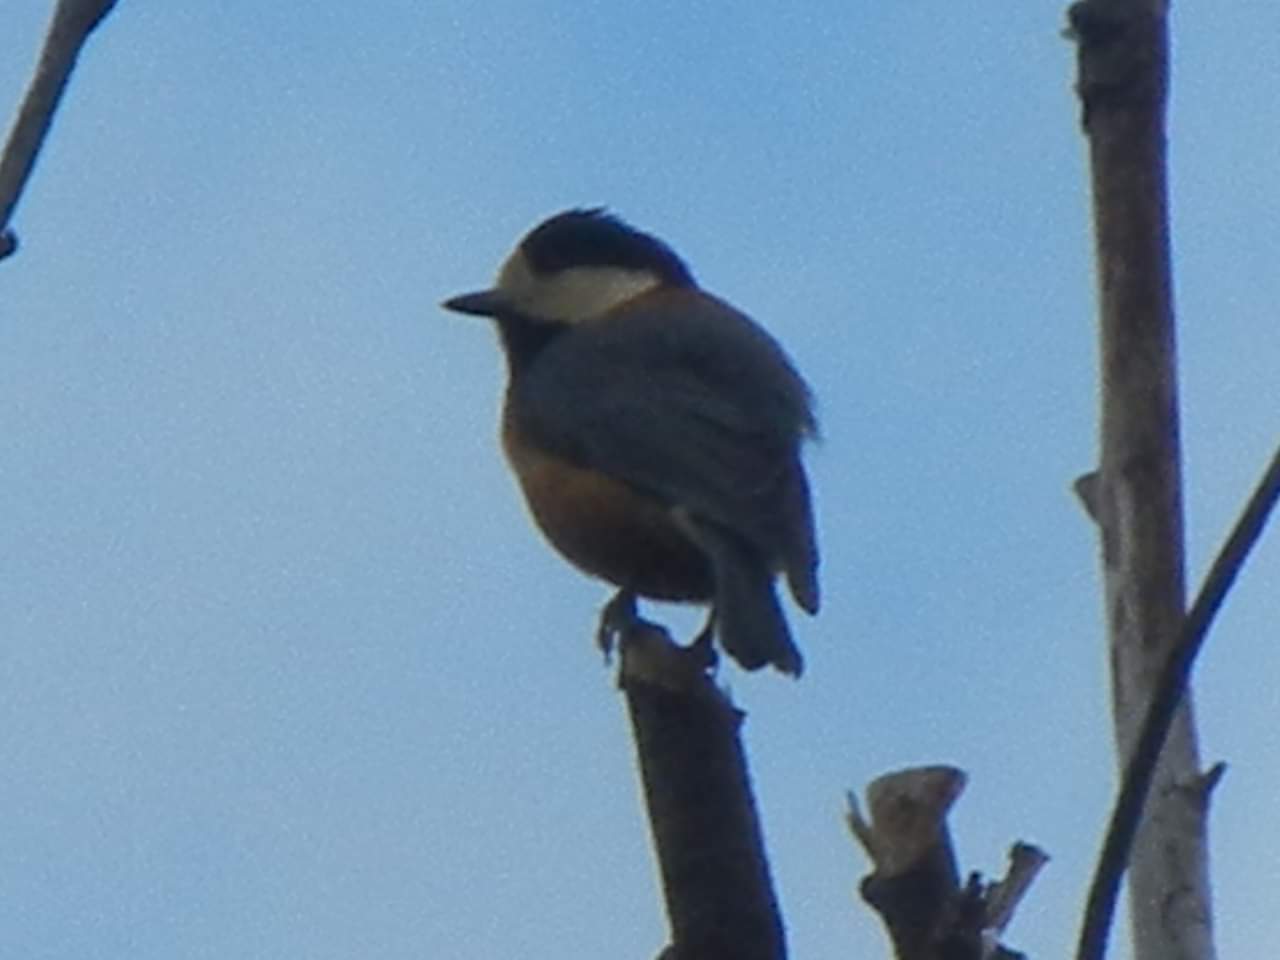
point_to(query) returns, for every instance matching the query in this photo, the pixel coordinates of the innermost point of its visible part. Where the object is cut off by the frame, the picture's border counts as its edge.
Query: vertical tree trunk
(1136, 495)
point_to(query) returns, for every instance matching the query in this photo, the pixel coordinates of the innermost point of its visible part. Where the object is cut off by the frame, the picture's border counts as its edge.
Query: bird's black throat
(524, 338)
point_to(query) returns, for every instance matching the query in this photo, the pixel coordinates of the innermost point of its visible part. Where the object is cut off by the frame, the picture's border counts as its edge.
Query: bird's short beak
(484, 303)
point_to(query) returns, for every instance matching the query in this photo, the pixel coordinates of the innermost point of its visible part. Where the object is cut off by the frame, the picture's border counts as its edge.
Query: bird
(655, 430)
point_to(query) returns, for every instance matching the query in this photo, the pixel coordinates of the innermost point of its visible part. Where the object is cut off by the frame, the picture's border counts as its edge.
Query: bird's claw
(619, 618)
(616, 617)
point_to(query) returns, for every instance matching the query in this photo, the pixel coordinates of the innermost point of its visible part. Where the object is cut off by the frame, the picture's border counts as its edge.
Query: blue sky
(284, 668)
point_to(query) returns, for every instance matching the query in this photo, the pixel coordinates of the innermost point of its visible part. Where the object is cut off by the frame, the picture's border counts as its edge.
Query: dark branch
(1173, 680)
(73, 21)
(702, 814)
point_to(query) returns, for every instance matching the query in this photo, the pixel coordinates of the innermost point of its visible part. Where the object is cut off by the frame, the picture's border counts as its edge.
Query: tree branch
(715, 877)
(73, 21)
(915, 886)
(1135, 495)
(1173, 680)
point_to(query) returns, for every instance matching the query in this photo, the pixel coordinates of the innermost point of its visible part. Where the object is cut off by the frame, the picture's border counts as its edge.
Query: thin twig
(1025, 863)
(73, 21)
(1173, 680)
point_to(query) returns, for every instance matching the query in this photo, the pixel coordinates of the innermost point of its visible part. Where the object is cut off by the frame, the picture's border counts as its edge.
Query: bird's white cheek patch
(579, 293)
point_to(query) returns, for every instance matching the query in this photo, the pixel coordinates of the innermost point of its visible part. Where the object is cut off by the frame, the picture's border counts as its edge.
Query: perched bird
(655, 430)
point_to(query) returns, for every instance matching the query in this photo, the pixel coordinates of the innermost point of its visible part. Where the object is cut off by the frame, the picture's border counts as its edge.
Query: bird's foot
(616, 618)
(620, 621)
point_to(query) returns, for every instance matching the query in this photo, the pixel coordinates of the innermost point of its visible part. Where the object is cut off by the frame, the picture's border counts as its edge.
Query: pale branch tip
(1025, 863)
(915, 887)
(858, 825)
(1207, 783)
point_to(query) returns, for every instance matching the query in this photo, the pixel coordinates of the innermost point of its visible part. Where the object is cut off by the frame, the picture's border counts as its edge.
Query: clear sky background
(284, 669)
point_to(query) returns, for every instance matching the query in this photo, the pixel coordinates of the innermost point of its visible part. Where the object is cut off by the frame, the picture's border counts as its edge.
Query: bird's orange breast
(605, 527)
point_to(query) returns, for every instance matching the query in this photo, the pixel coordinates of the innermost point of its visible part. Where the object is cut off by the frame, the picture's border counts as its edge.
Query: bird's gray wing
(702, 410)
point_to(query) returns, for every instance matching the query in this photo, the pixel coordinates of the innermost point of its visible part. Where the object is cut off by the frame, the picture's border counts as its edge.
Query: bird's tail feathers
(801, 556)
(749, 619)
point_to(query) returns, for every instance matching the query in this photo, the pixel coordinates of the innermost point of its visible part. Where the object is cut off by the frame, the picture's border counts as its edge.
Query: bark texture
(1136, 495)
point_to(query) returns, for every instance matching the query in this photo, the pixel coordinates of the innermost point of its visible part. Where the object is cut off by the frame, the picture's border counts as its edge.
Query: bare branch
(1135, 496)
(1025, 863)
(73, 21)
(702, 814)
(1173, 680)
(916, 887)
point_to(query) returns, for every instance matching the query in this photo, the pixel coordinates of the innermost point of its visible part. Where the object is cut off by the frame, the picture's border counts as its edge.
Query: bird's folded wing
(706, 414)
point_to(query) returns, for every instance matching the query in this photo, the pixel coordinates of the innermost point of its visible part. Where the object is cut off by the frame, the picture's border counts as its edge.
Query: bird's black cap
(595, 238)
